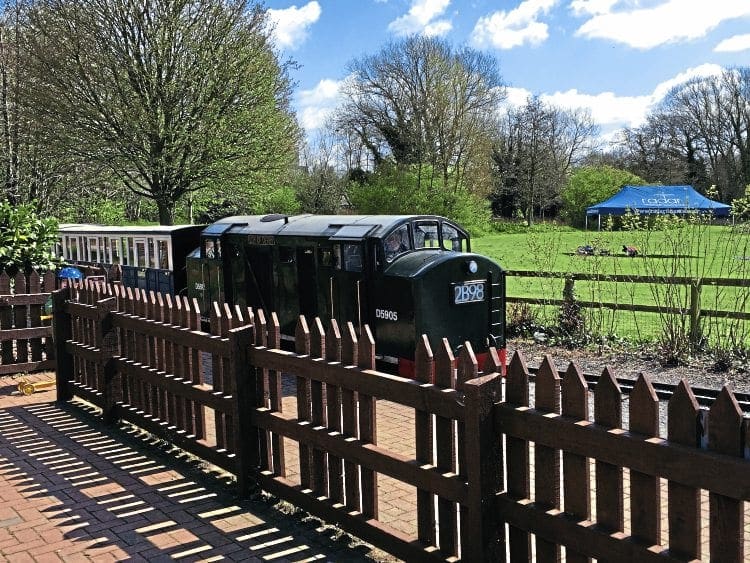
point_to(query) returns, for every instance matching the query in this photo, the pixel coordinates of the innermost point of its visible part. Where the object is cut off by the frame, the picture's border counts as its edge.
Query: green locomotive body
(403, 275)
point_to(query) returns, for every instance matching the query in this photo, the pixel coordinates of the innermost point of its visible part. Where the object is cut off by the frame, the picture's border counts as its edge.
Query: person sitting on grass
(631, 251)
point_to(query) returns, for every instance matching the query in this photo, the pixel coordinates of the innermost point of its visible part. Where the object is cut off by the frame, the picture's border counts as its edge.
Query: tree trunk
(166, 212)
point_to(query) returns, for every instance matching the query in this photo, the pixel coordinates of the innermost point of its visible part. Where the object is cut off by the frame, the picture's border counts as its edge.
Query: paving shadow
(119, 492)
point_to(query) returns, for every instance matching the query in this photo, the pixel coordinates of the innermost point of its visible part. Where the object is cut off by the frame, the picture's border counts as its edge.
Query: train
(402, 275)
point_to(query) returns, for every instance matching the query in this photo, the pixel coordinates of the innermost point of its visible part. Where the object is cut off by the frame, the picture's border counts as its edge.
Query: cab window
(426, 235)
(453, 239)
(396, 243)
(352, 257)
(212, 248)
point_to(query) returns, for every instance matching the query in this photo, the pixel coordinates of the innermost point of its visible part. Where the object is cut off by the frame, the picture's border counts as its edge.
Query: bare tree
(170, 95)
(700, 134)
(321, 182)
(418, 102)
(537, 145)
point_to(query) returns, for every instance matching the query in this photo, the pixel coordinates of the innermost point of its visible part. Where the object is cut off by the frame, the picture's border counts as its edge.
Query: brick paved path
(73, 491)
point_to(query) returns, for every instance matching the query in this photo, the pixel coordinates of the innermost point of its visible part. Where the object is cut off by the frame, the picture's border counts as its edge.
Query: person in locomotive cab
(210, 253)
(395, 245)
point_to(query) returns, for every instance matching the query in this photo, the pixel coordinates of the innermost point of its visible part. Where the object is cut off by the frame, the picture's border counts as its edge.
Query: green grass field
(682, 250)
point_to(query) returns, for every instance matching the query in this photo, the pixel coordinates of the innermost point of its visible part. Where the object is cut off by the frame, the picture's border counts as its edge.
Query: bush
(590, 185)
(26, 240)
(410, 190)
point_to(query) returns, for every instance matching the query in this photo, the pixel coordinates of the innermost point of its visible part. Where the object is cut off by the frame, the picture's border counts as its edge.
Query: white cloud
(664, 21)
(591, 7)
(291, 24)
(421, 19)
(610, 110)
(317, 104)
(734, 44)
(700, 71)
(505, 30)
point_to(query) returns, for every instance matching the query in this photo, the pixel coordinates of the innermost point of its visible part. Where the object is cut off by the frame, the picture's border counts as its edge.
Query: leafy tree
(698, 134)
(741, 206)
(590, 185)
(665, 150)
(26, 239)
(170, 96)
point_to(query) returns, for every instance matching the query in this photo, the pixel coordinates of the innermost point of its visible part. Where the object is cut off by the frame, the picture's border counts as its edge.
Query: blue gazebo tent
(672, 200)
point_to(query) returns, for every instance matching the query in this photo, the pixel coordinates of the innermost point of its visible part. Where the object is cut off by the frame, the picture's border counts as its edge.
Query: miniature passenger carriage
(141, 257)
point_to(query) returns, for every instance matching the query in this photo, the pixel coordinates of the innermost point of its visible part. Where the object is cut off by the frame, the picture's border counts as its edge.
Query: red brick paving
(71, 490)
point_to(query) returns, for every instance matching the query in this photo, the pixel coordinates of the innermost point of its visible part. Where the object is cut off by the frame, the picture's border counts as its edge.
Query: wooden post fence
(137, 357)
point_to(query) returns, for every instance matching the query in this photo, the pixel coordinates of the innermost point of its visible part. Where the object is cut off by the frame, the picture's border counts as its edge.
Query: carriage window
(452, 239)
(352, 258)
(325, 256)
(131, 252)
(93, 250)
(114, 247)
(337, 256)
(140, 252)
(127, 250)
(426, 235)
(73, 248)
(286, 255)
(162, 252)
(151, 258)
(397, 243)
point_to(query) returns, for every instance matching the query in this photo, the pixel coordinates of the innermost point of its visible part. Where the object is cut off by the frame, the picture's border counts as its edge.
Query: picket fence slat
(547, 459)
(645, 505)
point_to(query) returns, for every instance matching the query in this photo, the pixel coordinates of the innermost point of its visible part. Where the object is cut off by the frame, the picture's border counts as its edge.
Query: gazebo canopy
(673, 200)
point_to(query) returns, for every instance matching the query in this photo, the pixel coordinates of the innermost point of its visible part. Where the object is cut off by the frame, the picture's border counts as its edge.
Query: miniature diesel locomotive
(403, 275)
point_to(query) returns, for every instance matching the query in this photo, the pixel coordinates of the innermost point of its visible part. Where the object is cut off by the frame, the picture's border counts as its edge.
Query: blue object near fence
(70, 273)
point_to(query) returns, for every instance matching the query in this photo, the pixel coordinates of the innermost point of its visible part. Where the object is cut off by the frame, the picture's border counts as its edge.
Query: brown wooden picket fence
(25, 334)
(503, 469)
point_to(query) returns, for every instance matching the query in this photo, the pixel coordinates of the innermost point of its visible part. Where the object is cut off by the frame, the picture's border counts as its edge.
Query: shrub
(590, 185)
(415, 190)
(26, 240)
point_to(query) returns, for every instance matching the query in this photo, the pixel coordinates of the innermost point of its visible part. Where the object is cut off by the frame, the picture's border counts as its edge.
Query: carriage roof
(335, 226)
(90, 228)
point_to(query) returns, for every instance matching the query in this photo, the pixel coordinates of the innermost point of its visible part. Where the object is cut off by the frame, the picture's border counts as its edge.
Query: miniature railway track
(664, 391)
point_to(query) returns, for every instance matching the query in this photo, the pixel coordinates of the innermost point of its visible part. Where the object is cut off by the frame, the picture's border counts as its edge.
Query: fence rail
(25, 333)
(500, 473)
(691, 306)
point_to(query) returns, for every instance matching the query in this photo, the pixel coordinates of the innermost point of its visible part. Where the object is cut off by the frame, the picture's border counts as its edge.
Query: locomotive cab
(205, 268)
(433, 287)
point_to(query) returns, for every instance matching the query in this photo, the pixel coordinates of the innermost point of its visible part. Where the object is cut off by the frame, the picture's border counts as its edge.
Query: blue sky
(614, 57)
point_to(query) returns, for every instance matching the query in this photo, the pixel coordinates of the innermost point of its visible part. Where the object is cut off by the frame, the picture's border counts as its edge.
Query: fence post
(695, 311)
(105, 339)
(246, 438)
(485, 533)
(62, 331)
